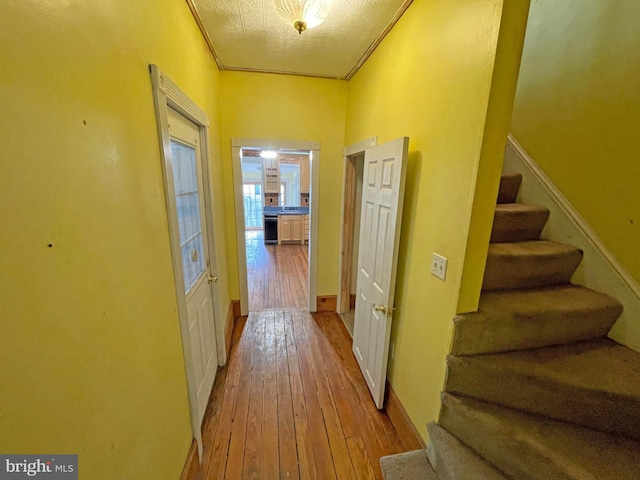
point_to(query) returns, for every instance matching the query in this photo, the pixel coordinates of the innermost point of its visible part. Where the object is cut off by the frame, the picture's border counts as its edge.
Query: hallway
(276, 274)
(292, 403)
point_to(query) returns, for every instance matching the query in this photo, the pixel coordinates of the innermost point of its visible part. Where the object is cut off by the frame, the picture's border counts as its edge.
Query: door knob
(212, 278)
(380, 308)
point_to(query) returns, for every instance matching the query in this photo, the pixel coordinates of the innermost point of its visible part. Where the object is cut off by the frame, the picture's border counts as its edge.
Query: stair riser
(600, 410)
(530, 447)
(476, 334)
(531, 271)
(453, 460)
(407, 465)
(512, 455)
(509, 186)
(518, 226)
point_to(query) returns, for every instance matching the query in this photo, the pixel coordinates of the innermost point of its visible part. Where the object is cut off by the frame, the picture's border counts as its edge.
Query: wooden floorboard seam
(292, 403)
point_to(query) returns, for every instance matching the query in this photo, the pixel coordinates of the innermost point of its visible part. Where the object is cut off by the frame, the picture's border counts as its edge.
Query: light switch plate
(439, 266)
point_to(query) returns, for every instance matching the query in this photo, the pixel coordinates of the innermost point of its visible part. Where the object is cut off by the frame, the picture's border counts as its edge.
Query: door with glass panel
(188, 195)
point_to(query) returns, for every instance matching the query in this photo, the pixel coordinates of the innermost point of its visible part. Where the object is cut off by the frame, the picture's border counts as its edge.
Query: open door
(381, 212)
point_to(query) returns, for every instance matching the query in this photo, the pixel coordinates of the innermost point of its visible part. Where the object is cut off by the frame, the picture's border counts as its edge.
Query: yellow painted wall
(284, 107)
(576, 112)
(90, 352)
(501, 96)
(430, 79)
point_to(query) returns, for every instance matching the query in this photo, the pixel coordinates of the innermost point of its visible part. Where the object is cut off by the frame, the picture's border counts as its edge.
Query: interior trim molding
(369, 51)
(205, 35)
(228, 329)
(236, 309)
(282, 72)
(409, 435)
(348, 228)
(361, 61)
(176, 98)
(326, 303)
(274, 144)
(575, 216)
(191, 468)
(599, 269)
(361, 146)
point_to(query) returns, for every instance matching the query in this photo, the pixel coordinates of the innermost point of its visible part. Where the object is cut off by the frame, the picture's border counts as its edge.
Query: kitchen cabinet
(306, 228)
(305, 175)
(290, 228)
(271, 175)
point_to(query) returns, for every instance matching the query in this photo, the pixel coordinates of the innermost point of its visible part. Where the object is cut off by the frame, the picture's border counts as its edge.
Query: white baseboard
(599, 269)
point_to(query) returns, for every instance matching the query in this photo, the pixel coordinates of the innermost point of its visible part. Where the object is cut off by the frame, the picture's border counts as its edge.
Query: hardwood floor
(276, 274)
(292, 403)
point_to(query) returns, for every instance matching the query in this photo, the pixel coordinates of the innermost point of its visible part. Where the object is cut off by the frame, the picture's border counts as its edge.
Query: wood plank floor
(291, 403)
(276, 274)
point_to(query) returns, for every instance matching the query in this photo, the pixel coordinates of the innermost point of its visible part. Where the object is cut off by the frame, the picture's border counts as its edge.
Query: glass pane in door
(185, 180)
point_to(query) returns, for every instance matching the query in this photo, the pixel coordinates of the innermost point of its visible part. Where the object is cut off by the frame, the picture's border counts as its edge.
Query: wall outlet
(439, 266)
(392, 350)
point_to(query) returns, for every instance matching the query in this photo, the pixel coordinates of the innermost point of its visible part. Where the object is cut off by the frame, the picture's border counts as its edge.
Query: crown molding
(205, 35)
(403, 8)
(196, 15)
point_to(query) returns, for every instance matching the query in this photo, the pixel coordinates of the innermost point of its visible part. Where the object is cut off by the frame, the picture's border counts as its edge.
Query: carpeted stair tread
(527, 447)
(594, 383)
(520, 319)
(509, 186)
(407, 466)
(518, 222)
(529, 264)
(453, 460)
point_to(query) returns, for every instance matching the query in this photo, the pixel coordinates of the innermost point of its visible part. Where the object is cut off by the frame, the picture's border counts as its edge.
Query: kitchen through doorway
(275, 188)
(275, 221)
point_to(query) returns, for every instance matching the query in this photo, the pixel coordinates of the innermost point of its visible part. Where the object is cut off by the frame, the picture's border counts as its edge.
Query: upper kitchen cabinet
(304, 175)
(271, 175)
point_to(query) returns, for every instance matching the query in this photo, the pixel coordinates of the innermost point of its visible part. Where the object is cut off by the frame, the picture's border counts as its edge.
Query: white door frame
(345, 259)
(168, 94)
(314, 147)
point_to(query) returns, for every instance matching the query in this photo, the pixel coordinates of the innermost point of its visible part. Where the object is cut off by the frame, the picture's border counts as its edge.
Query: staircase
(534, 388)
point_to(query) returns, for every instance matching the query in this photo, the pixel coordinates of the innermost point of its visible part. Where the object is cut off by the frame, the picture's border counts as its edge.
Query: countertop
(286, 210)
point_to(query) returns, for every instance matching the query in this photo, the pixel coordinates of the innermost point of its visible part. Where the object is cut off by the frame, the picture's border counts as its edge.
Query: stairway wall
(599, 269)
(438, 94)
(576, 112)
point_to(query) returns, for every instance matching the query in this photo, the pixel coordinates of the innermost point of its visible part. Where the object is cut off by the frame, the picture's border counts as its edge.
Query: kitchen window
(252, 194)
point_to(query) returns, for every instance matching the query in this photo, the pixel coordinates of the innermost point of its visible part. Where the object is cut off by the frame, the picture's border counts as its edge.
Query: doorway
(349, 229)
(276, 184)
(276, 223)
(184, 150)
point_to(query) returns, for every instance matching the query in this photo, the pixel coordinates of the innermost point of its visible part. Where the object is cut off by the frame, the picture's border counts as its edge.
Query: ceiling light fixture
(268, 154)
(302, 14)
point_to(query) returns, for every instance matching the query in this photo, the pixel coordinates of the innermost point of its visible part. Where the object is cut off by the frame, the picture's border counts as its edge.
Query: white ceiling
(249, 35)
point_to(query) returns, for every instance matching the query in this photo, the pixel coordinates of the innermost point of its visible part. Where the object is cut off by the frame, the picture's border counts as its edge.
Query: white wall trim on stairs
(599, 270)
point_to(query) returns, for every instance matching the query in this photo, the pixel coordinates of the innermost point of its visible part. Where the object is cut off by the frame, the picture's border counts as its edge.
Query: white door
(381, 213)
(195, 256)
